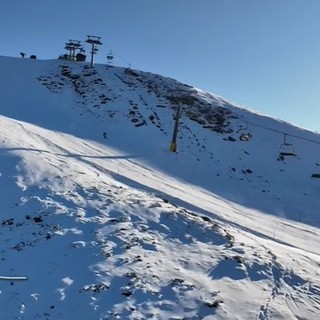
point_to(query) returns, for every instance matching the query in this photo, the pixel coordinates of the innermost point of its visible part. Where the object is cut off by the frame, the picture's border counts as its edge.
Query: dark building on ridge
(80, 57)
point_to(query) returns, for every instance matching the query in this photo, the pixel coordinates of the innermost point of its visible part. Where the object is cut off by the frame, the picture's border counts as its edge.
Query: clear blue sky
(263, 54)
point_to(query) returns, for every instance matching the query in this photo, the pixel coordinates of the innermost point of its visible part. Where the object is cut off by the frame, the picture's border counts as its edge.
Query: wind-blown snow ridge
(106, 223)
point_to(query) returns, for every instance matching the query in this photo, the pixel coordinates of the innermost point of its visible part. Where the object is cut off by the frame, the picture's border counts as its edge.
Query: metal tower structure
(72, 46)
(173, 145)
(94, 41)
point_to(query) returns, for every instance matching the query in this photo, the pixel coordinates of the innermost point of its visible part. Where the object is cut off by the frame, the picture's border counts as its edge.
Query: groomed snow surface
(106, 223)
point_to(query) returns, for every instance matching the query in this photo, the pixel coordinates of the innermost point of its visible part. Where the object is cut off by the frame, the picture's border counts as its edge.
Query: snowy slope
(106, 223)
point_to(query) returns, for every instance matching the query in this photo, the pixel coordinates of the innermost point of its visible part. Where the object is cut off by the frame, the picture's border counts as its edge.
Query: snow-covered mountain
(106, 223)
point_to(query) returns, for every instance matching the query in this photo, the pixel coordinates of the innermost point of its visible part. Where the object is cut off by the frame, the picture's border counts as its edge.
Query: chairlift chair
(110, 57)
(286, 149)
(245, 133)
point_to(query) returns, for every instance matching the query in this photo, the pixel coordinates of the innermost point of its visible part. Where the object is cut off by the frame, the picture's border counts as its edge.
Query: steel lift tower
(73, 46)
(94, 41)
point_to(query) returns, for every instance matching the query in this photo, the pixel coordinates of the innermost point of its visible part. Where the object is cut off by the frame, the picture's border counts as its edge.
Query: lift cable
(282, 132)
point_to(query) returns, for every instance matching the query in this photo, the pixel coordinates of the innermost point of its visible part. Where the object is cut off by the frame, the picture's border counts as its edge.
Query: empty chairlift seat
(286, 149)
